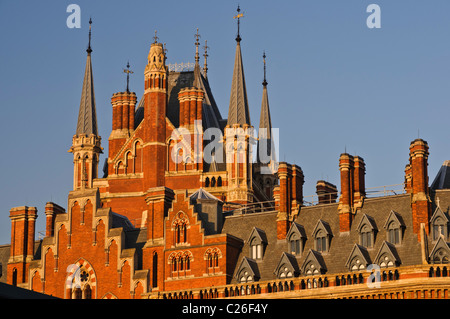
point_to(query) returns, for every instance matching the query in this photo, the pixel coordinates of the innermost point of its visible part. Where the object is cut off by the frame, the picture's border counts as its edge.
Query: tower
(155, 105)
(239, 133)
(86, 143)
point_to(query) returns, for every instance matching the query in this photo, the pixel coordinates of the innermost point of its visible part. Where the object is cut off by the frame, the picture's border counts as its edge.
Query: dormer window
(296, 238)
(257, 242)
(394, 228)
(367, 229)
(439, 223)
(322, 236)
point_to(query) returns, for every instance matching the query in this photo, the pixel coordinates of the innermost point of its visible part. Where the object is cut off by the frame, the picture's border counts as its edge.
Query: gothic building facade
(170, 216)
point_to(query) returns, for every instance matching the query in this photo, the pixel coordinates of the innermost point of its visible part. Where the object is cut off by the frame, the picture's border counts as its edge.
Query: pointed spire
(238, 112)
(87, 117)
(265, 122)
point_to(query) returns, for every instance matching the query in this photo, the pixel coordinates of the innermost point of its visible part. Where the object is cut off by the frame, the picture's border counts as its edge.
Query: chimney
(420, 199)
(23, 221)
(346, 167)
(51, 210)
(123, 105)
(284, 175)
(326, 192)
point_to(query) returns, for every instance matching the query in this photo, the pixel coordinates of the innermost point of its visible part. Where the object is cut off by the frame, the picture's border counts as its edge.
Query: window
(394, 228)
(321, 242)
(439, 223)
(257, 242)
(322, 236)
(257, 250)
(296, 237)
(367, 229)
(295, 247)
(394, 235)
(366, 237)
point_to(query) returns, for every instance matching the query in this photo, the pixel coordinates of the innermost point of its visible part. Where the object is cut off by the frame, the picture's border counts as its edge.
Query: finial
(205, 66)
(89, 49)
(238, 16)
(264, 60)
(197, 57)
(155, 37)
(128, 72)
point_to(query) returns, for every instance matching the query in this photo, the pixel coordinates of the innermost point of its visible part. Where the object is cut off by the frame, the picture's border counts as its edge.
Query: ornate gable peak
(358, 253)
(259, 234)
(313, 263)
(287, 261)
(439, 213)
(393, 216)
(367, 220)
(297, 231)
(387, 256)
(440, 251)
(324, 226)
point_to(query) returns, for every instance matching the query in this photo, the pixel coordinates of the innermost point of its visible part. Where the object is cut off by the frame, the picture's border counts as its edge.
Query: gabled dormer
(247, 271)
(322, 236)
(257, 242)
(440, 254)
(439, 224)
(287, 267)
(313, 264)
(387, 256)
(358, 259)
(394, 228)
(367, 230)
(296, 238)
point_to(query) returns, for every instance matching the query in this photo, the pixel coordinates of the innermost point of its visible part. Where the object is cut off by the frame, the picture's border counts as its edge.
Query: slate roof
(442, 179)
(342, 244)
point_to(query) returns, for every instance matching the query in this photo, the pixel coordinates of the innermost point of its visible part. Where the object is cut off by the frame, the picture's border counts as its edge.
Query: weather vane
(155, 37)
(238, 16)
(264, 60)
(128, 72)
(89, 50)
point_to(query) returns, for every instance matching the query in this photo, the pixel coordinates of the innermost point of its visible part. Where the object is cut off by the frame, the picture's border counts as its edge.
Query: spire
(87, 117)
(238, 112)
(205, 65)
(265, 122)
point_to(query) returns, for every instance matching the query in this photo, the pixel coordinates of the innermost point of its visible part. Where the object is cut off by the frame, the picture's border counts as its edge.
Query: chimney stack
(418, 172)
(326, 192)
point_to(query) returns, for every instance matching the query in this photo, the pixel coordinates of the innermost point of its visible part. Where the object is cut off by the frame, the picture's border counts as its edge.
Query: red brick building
(167, 221)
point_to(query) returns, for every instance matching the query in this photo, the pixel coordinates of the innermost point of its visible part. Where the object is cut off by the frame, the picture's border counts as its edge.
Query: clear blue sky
(334, 84)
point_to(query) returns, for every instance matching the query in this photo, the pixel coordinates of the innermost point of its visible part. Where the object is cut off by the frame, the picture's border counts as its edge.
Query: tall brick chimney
(23, 221)
(51, 210)
(418, 170)
(288, 196)
(346, 167)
